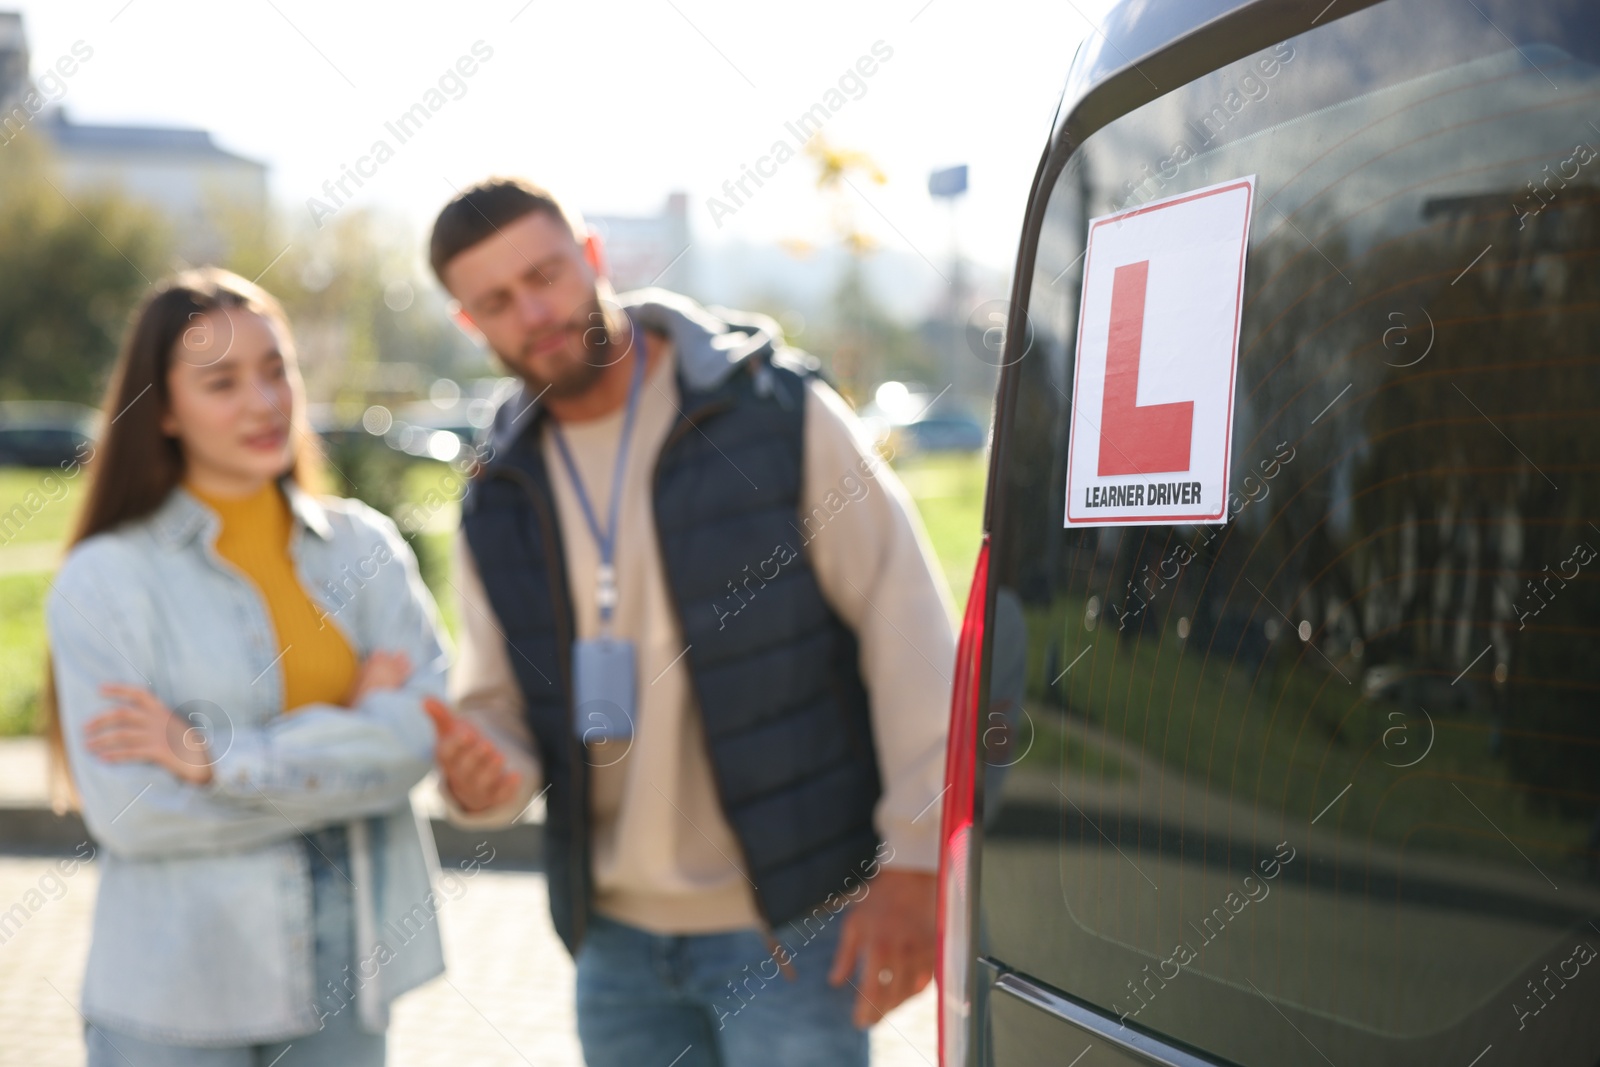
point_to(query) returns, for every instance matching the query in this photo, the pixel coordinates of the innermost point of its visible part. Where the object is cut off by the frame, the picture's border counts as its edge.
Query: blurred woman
(239, 668)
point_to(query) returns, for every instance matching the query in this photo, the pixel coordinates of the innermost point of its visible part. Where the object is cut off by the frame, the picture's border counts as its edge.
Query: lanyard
(606, 594)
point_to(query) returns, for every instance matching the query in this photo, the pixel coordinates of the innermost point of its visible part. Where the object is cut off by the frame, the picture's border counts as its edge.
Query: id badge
(603, 690)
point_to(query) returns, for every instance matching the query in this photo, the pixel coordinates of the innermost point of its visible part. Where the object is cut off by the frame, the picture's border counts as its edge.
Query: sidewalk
(505, 999)
(29, 558)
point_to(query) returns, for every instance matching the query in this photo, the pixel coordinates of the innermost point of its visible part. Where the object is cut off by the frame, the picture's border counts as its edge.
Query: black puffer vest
(786, 715)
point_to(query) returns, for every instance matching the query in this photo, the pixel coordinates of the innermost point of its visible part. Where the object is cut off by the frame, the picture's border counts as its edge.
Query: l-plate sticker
(1158, 354)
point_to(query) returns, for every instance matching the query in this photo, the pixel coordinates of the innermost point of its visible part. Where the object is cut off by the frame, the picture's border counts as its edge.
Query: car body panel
(1228, 766)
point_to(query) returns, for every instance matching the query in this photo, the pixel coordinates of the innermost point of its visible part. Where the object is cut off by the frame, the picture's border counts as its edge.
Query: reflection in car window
(1325, 781)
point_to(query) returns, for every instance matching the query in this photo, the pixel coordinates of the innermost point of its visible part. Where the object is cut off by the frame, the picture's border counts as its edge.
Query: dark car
(946, 433)
(1316, 781)
(45, 433)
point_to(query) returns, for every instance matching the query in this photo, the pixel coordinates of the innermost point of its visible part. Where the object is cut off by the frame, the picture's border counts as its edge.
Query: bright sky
(613, 105)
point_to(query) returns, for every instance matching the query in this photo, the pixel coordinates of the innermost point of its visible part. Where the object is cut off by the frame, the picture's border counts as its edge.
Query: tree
(863, 344)
(71, 266)
(362, 318)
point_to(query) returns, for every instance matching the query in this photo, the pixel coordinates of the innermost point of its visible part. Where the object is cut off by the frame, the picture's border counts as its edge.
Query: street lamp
(948, 184)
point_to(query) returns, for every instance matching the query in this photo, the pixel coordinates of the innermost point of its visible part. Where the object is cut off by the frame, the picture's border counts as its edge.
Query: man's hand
(890, 932)
(474, 770)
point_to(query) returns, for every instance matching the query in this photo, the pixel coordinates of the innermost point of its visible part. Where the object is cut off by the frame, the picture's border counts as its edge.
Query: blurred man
(700, 618)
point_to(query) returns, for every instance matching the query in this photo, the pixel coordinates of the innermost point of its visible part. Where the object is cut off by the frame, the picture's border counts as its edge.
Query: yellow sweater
(318, 664)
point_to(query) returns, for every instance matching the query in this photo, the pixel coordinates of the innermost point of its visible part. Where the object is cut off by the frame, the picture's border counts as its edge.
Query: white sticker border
(1248, 183)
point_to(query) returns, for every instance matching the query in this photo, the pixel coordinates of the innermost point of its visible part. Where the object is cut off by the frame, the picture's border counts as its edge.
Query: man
(700, 617)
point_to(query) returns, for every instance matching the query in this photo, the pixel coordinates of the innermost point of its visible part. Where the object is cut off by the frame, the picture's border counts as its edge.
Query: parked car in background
(441, 432)
(1317, 783)
(913, 418)
(955, 432)
(444, 426)
(440, 428)
(42, 433)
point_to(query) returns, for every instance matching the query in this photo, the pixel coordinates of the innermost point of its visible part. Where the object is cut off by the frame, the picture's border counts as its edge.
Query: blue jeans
(714, 1000)
(340, 1043)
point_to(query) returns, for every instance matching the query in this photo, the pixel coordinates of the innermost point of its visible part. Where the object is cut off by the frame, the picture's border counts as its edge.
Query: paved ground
(506, 999)
(28, 558)
(24, 771)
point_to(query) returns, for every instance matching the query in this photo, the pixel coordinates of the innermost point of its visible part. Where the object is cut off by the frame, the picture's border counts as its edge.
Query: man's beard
(594, 338)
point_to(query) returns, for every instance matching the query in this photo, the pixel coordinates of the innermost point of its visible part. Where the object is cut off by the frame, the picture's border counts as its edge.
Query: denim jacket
(203, 926)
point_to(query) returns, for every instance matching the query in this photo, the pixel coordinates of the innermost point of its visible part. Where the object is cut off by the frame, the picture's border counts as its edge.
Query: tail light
(955, 831)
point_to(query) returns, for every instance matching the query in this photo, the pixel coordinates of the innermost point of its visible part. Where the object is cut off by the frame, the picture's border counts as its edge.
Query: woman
(239, 669)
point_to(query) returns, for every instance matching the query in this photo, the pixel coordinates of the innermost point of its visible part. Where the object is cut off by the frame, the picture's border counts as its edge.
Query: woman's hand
(142, 728)
(379, 671)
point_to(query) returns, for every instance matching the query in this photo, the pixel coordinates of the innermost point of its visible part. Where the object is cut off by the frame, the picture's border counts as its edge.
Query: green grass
(21, 650)
(48, 502)
(37, 509)
(948, 489)
(433, 559)
(434, 490)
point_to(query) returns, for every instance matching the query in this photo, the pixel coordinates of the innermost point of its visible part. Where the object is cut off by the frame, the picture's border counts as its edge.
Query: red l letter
(1133, 439)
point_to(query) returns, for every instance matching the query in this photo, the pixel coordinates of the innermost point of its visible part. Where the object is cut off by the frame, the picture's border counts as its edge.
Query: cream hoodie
(664, 856)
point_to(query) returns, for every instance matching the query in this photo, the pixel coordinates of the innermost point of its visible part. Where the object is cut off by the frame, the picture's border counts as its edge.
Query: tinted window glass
(1324, 783)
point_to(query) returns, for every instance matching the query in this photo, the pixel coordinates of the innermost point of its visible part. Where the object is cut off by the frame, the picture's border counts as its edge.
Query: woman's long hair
(135, 465)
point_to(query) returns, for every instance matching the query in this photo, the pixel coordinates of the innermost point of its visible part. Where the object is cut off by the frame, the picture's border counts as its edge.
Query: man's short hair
(479, 212)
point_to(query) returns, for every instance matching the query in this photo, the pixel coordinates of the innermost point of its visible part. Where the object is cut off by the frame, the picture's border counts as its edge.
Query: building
(648, 249)
(13, 60)
(180, 172)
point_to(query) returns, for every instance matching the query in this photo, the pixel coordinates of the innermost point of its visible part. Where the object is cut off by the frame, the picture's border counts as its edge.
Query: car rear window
(1323, 783)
